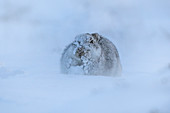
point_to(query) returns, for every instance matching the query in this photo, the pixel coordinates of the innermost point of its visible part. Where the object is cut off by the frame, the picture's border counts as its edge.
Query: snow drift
(33, 35)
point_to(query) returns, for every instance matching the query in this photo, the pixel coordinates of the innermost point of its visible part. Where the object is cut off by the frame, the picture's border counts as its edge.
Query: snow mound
(5, 73)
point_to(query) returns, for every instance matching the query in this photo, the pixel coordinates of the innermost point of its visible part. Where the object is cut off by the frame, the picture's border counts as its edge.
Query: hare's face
(86, 46)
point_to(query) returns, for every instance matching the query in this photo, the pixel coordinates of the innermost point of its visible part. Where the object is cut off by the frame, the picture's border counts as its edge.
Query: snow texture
(91, 54)
(34, 34)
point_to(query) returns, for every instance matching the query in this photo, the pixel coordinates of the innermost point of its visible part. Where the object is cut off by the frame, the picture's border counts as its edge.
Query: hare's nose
(79, 49)
(79, 52)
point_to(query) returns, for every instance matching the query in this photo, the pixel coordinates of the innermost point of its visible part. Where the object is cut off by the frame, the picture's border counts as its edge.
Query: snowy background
(33, 34)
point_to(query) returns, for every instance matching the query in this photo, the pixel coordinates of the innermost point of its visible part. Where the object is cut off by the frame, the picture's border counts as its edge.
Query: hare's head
(87, 46)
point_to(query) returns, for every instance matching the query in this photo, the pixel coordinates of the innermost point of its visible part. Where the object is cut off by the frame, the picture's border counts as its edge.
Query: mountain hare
(91, 54)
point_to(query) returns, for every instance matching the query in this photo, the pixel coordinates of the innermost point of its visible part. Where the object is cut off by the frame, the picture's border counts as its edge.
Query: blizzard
(33, 35)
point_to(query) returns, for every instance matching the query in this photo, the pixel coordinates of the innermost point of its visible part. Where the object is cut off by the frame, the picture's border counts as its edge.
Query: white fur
(91, 54)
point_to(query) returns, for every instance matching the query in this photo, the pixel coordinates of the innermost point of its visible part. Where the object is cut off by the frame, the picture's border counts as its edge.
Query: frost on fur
(91, 54)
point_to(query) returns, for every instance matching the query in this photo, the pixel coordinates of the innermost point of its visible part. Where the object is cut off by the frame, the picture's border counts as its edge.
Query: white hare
(91, 54)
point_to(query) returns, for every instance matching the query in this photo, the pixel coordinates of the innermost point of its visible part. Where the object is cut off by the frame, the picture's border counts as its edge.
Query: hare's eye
(91, 41)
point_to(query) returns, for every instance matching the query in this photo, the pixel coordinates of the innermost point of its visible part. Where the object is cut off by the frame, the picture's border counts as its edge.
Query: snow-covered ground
(33, 35)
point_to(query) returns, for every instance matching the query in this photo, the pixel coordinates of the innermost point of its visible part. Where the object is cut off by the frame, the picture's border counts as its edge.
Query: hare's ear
(96, 36)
